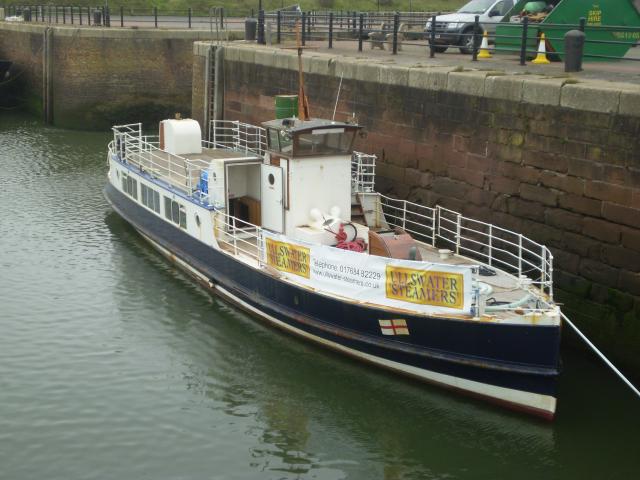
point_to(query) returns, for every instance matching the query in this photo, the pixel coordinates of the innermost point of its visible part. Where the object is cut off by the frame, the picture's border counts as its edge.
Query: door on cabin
(272, 198)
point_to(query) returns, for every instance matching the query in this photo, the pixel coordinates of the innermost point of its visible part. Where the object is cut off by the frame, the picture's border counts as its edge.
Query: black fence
(102, 16)
(392, 31)
(382, 30)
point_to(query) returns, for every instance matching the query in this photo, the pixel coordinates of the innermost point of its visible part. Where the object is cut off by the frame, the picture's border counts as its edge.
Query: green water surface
(114, 365)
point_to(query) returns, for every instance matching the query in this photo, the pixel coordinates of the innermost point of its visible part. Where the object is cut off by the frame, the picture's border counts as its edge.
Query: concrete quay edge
(585, 95)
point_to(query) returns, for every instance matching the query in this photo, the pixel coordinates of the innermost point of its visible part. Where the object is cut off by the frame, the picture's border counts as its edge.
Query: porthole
(271, 179)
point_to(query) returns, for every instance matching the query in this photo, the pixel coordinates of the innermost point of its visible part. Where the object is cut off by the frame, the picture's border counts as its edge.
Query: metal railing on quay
(104, 16)
(393, 30)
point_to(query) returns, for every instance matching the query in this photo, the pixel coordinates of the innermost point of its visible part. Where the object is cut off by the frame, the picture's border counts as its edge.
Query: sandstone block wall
(24, 48)
(106, 76)
(556, 160)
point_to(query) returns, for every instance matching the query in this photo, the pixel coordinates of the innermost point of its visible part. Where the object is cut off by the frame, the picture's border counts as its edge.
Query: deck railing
(181, 173)
(363, 172)
(144, 152)
(239, 237)
(491, 245)
(238, 136)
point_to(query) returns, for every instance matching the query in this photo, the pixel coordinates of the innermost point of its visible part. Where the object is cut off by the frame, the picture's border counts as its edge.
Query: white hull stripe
(535, 401)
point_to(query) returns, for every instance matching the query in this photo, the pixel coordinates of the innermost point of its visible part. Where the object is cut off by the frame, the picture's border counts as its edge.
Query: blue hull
(523, 358)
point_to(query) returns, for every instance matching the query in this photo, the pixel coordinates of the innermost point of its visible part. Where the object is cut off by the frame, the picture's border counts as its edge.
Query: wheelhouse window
(150, 198)
(129, 186)
(175, 212)
(280, 141)
(274, 144)
(324, 141)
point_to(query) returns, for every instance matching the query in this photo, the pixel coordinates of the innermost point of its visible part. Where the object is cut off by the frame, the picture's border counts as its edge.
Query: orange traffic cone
(541, 58)
(484, 47)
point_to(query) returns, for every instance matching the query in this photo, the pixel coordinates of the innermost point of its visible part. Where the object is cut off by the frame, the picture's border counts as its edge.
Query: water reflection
(303, 397)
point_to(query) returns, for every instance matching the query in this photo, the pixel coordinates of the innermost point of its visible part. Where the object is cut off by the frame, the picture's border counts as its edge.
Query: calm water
(115, 365)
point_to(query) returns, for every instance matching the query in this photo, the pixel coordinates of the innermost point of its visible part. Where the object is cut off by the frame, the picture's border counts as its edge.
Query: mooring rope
(601, 355)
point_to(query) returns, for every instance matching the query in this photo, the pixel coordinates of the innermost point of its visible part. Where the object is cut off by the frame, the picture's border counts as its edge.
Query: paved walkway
(417, 53)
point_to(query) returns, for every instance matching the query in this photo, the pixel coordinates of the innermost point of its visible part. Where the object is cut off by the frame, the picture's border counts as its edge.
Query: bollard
(71, 14)
(476, 37)
(250, 25)
(155, 16)
(122, 16)
(360, 32)
(189, 13)
(583, 22)
(64, 15)
(261, 27)
(278, 26)
(432, 38)
(573, 50)
(396, 19)
(331, 30)
(523, 41)
(97, 17)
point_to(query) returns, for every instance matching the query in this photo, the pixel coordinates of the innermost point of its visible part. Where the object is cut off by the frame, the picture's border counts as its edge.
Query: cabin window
(324, 141)
(274, 144)
(285, 141)
(150, 198)
(175, 212)
(183, 217)
(167, 208)
(129, 186)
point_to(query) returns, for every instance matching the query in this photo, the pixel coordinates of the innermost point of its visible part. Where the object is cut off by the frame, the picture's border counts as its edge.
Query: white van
(457, 28)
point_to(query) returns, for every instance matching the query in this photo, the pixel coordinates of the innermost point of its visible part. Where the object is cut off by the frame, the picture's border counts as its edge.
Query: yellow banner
(288, 258)
(425, 287)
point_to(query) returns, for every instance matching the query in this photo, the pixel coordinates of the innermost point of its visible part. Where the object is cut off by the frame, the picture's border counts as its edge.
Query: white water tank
(180, 137)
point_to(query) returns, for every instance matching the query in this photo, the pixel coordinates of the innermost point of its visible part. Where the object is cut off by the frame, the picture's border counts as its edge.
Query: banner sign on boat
(287, 257)
(443, 289)
(418, 286)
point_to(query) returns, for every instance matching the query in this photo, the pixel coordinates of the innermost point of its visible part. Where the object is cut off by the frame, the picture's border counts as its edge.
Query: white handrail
(237, 136)
(363, 172)
(490, 244)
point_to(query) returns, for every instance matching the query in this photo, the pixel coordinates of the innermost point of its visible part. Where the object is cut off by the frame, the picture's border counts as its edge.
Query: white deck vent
(180, 137)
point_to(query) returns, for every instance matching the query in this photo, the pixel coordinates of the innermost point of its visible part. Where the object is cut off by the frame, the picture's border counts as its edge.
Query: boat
(283, 221)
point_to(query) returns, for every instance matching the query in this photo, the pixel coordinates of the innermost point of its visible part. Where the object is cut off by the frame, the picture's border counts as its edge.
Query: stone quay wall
(555, 159)
(104, 76)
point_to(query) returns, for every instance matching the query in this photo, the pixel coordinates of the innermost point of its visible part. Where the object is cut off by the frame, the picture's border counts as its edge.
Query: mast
(303, 102)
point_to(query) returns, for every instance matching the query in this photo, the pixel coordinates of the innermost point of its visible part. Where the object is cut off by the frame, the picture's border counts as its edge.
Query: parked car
(457, 28)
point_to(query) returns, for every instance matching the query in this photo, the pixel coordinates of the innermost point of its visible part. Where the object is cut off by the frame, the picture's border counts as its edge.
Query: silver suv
(457, 28)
